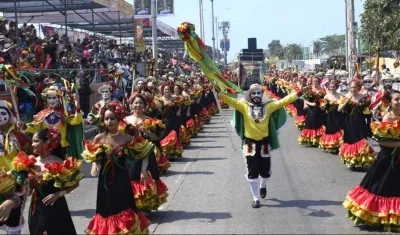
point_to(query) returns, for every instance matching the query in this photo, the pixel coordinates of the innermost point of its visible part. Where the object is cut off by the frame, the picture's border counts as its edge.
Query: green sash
(276, 121)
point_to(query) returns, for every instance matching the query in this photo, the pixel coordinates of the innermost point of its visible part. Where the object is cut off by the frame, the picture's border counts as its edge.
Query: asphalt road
(208, 192)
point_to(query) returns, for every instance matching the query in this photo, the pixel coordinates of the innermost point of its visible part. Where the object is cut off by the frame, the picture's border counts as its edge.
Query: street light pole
(216, 29)
(154, 28)
(213, 30)
(201, 19)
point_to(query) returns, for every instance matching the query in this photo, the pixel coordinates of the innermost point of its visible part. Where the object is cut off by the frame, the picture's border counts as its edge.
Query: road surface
(208, 192)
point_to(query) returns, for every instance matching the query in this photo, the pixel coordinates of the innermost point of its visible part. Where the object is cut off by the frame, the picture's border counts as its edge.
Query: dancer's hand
(5, 210)
(95, 169)
(144, 176)
(305, 89)
(50, 199)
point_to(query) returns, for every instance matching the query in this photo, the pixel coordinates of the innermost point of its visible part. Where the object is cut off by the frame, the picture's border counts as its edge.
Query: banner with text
(165, 7)
(142, 8)
(139, 40)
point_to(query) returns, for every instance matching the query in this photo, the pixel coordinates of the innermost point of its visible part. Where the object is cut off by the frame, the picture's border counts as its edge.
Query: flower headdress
(54, 139)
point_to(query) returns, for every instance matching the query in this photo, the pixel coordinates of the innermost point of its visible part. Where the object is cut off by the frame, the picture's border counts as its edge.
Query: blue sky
(291, 21)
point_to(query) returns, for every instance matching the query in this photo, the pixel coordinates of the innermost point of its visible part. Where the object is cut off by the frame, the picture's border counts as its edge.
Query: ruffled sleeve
(386, 130)
(20, 167)
(140, 148)
(323, 103)
(95, 152)
(64, 174)
(155, 126)
(7, 185)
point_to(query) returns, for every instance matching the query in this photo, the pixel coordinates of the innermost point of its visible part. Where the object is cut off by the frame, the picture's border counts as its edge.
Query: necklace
(113, 135)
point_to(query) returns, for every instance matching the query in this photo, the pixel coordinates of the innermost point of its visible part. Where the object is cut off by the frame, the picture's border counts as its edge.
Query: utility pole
(201, 11)
(352, 49)
(154, 29)
(347, 36)
(213, 30)
(216, 34)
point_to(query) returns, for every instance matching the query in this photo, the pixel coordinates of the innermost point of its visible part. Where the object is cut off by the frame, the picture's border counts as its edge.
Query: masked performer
(257, 113)
(56, 115)
(94, 116)
(12, 142)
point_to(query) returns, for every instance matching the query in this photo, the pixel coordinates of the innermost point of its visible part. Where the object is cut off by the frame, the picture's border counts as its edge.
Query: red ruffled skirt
(367, 208)
(184, 136)
(331, 142)
(126, 222)
(150, 194)
(192, 128)
(300, 121)
(310, 137)
(212, 109)
(172, 146)
(359, 154)
(162, 160)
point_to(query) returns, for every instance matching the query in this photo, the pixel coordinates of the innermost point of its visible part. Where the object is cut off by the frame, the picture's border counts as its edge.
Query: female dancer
(315, 120)
(331, 140)
(118, 159)
(355, 151)
(184, 111)
(151, 196)
(50, 179)
(171, 145)
(376, 200)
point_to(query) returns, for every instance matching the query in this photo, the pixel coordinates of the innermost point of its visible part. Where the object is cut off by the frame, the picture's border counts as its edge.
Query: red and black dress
(376, 200)
(116, 211)
(355, 151)
(315, 120)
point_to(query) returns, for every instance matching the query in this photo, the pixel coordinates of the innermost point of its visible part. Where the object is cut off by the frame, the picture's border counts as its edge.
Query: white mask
(105, 94)
(4, 117)
(52, 100)
(256, 96)
(140, 84)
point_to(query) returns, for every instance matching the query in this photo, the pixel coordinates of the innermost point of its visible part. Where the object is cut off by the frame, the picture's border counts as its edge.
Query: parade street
(208, 192)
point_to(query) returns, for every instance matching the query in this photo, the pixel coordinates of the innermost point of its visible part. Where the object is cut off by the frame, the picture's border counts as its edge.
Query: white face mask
(4, 117)
(140, 84)
(105, 93)
(256, 96)
(52, 100)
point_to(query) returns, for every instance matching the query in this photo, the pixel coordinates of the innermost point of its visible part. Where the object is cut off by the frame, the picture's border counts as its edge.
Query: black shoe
(263, 192)
(256, 204)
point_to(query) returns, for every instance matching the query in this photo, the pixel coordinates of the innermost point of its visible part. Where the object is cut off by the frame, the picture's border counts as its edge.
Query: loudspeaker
(252, 43)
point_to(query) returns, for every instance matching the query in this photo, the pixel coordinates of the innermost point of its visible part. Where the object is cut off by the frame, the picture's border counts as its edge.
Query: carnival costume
(257, 138)
(94, 116)
(355, 151)
(375, 201)
(151, 194)
(43, 219)
(69, 122)
(11, 142)
(315, 120)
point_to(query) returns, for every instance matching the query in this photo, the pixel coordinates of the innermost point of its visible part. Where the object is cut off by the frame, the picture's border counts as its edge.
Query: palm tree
(333, 44)
(317, 48)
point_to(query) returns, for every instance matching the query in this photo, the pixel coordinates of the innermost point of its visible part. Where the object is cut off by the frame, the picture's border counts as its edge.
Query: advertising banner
(142, 8)
(139, 39)
(225, 44)
(165, 7)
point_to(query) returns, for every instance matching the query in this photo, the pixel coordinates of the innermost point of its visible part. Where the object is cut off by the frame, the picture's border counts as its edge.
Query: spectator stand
(65, 12)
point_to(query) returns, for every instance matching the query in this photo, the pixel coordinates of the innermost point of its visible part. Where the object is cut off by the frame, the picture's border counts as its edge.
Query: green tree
(380, 24)
(293, 52)
(275, 48)
(317, 48)
(333, 44)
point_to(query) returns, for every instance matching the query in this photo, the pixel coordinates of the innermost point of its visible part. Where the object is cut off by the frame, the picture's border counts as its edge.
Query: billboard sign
(225, 44)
